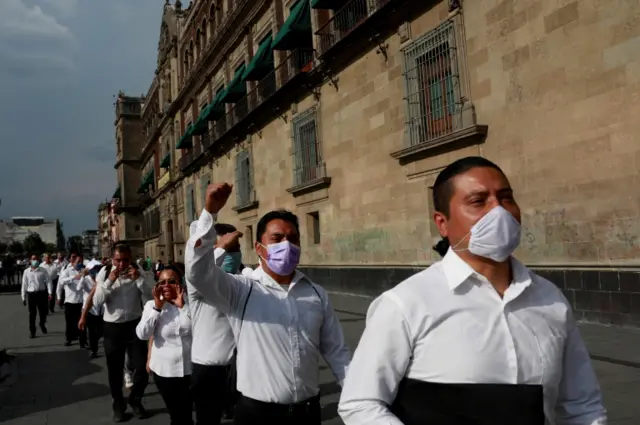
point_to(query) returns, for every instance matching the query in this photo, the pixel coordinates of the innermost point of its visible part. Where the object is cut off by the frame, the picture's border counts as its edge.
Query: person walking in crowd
(36, 291)
(91, 321)
(70, 288)
(292, 322)
(232, 254)
(212, 350)
(53, 271)
(122, 288)
(476, 338)
(166, 320)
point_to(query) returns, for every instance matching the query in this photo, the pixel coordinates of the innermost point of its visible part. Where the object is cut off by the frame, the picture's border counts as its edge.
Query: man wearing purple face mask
(277, 313)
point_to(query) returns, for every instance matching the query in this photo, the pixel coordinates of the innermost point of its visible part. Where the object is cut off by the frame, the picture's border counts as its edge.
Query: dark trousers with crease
(94, 329)
(120, 338)
(209, 391)
(37, 304)
(52, 301)
(176, 396)
(72, 313)
(251, 412)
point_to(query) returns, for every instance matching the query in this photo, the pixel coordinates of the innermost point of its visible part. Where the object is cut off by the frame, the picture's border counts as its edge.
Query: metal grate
(307, 158)
(432, 85)
(245, 193)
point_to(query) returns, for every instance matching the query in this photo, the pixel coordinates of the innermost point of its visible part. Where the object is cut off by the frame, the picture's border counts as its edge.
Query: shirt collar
(457, 271)
(266, 280)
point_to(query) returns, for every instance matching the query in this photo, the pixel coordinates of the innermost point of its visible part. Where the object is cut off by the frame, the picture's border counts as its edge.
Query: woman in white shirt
(166, 319)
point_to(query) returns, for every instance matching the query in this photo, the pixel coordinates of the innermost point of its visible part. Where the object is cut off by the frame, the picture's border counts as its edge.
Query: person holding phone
(167, 321)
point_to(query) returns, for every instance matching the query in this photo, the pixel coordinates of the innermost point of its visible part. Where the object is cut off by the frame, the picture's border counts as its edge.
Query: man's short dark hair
(443, 187)
(224, 228)
(121, 247)
(283, 215)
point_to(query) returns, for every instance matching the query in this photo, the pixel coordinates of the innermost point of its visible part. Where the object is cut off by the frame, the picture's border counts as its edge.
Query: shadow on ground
(48, 380)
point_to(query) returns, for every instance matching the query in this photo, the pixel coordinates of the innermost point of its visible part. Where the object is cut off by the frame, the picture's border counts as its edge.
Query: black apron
(428, 403)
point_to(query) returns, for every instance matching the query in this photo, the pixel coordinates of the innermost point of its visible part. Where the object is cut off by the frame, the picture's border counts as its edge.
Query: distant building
(18, 228)
(90, 243)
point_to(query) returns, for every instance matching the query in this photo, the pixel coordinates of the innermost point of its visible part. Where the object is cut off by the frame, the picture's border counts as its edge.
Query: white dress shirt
(35, 280)
(52, 269)
(72, 286)
(213, 341)
(447, 324)
(123, 298)
(171, 332)
(87, 284)
(283, 334)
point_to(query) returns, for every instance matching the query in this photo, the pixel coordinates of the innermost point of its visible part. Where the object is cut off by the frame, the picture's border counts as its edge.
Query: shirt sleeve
(579, 397)
(223, 290)
(103, 288)
(332, 345)
(147, 324)
(25, 283)
(378, 365)
(49, 282)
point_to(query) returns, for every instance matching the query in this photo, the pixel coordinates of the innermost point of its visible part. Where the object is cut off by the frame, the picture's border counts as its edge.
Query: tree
(74, 244)
(16, 248)
(3, 248)
(51, 248)
(33, 244)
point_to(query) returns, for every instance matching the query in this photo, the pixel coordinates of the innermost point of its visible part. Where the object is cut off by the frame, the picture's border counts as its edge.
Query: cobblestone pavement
(60, 385)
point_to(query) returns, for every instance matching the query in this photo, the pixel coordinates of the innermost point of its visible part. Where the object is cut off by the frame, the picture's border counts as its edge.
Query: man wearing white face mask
(476, 338)
(277, 312)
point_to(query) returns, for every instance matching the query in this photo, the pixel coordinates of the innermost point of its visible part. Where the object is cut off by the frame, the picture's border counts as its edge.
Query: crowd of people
(477, 338)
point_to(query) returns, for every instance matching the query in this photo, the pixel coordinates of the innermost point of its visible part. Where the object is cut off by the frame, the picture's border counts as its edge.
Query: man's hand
(50, 297)
(78, 276)
(113, 275)
(134, 273)
(82, 323)
(217, 196)
(229, 240)
(158, 299)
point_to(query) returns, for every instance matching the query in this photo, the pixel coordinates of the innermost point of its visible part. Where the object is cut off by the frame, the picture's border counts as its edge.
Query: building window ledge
(246, 207)
(310, 186)
(474, 135)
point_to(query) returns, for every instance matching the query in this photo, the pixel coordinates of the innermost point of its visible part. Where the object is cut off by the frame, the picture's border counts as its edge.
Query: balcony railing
(145, 197)
(345, 20)
(197, 151)
(185, 160)
(206, 140)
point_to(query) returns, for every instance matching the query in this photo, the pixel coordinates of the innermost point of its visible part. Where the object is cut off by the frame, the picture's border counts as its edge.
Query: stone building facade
(345, 112)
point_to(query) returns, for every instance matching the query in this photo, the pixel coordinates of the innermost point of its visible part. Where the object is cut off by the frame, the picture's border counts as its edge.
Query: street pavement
(59, 385)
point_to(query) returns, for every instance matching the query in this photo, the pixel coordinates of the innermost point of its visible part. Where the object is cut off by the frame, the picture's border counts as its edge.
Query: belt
(301, 407)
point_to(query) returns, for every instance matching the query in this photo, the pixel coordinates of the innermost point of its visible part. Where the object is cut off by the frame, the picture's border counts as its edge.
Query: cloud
(17, 19)
(63, 8)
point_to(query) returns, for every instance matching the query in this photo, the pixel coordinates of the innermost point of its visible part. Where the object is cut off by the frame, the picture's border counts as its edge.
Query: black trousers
(176, 396)
(37, 304)
(210, 393)
(52, 301)
(94, 329)
(252, 412)
(120, 338)
(72, 313)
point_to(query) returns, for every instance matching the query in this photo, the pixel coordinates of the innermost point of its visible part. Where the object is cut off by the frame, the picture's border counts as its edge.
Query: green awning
(216, 110)
(296, 31)
(327, 4)
(116, 194)
(148, 179)
(166, 161)
(262, 62)
(237, 89)
(201, 126)
(186, 141)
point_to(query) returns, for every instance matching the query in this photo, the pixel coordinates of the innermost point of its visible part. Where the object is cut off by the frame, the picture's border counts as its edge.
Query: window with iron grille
(205, 181)
(245, 194)
(432, 86)
(307, 158)
(190, 209)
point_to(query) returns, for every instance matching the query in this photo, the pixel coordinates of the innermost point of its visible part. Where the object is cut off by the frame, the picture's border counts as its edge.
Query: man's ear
(441, 223)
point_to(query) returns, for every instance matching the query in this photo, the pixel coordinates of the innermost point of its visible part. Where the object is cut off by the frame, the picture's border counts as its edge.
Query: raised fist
(217, 196)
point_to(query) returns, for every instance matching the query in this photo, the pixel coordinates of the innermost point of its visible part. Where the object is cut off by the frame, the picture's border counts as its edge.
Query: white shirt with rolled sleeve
(283, 334)
(123, 298)
(171, 331)
(447, 324)
(35, 280)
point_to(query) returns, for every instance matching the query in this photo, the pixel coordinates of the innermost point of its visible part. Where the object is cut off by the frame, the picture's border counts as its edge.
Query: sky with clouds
(61, 63)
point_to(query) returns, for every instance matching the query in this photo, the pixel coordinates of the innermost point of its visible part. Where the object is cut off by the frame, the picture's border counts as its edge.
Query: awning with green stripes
(237, 88)
(327, 4)
(201, 126)
(166, 161)
(117, 193)
(262, 62)
(186, 141)
(296, 31)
